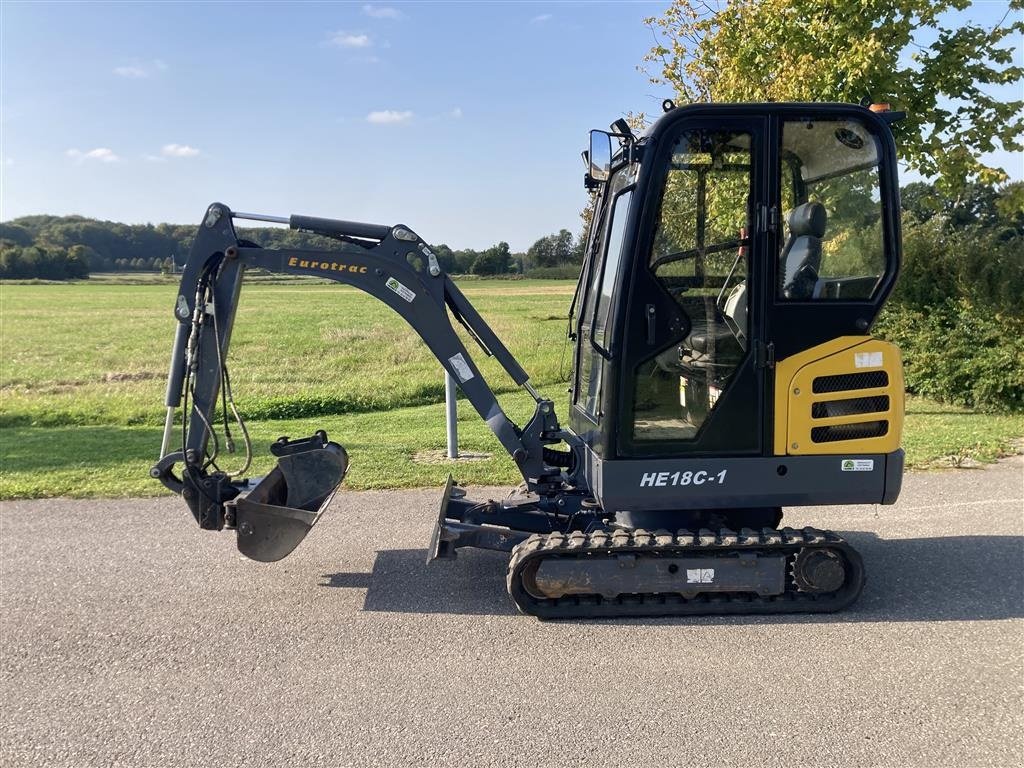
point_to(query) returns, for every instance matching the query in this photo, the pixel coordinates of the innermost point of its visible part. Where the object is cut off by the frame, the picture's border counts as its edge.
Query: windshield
(599, 206)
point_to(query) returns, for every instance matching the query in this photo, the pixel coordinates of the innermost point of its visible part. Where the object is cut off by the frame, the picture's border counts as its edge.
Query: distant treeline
(70, 247)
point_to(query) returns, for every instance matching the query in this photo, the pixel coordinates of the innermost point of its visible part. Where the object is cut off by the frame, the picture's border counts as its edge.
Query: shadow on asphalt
(957, 578)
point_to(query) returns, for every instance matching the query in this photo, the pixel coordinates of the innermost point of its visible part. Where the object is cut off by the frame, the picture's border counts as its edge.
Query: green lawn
(82, 371)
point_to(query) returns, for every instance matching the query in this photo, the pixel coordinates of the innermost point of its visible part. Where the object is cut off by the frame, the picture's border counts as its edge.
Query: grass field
(82, 370)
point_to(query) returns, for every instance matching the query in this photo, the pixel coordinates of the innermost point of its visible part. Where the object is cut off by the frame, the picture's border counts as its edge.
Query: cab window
(834, 246)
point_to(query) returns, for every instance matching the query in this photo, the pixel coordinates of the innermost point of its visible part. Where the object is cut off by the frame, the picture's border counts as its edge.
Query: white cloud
(456, 113)
(382, 12)
(131, 71)
(389, 116)
(178, 150)
(541, 18)
(350, 40)
(100, 154)
(140, 70)
(8, 161)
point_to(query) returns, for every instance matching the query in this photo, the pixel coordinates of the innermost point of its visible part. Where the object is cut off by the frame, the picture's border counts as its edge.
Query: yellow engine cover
(843, 396)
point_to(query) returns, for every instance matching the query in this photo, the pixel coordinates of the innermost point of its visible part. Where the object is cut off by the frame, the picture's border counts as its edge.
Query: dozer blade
(276, 515)
(440, 544)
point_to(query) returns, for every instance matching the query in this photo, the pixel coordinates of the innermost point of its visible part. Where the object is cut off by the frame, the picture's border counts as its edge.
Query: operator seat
(801, 255)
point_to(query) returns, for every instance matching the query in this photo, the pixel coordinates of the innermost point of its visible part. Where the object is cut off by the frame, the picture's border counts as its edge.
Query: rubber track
(768, 541)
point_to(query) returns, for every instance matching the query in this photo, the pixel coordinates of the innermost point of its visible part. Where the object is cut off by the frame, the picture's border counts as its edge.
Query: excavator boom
(394, 265)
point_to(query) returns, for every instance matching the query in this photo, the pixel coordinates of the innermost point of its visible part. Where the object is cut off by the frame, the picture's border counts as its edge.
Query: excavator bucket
(276, 515)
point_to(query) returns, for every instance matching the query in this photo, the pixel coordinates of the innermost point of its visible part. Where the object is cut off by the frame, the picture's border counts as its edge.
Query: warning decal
(400, 289)
(462, 369)
(867, 359)
(700, 575)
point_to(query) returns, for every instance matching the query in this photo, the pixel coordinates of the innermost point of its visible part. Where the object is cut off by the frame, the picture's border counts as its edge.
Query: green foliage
(553, 250)
(495, 260)
(20, 263)
(555, 256)
(107, 246)
(15, 234)
(984, 267)
(956, 311)
(834, 50)
(960, 353)
(990, 206)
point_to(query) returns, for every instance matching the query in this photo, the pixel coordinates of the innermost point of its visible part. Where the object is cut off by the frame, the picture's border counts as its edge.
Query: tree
(76, 265)
(981, 205)
(552, 251)
(15, 235)
(495, 260)
(88, 256)
(1011, 206)
(833, 50)
(463, 261)
(12, 265)
(920, 200)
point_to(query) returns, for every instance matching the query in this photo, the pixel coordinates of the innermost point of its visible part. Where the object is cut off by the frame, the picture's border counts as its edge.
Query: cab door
(836, 258)
(693, 366)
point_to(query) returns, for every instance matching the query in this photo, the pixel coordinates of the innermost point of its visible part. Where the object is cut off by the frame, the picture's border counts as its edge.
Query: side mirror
(600, 155)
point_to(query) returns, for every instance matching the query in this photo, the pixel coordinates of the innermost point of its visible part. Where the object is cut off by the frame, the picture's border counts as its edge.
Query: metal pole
(451, 416)
(165, 444)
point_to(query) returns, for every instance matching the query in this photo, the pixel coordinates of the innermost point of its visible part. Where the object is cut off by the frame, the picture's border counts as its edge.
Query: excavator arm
(393, 264)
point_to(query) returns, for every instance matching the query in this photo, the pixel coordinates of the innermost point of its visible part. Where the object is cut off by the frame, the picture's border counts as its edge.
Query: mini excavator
(737, 257)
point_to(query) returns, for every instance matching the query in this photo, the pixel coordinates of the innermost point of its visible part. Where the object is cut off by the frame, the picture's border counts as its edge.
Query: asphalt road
(129, 637)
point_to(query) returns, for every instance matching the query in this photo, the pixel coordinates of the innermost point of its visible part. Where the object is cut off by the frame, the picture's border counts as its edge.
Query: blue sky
(463, 120)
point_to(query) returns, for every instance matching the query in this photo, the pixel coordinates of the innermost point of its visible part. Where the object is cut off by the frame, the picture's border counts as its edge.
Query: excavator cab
(737, 257)
(724, 241)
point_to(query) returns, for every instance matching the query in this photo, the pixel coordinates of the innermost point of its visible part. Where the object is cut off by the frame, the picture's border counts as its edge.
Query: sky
(464, 121)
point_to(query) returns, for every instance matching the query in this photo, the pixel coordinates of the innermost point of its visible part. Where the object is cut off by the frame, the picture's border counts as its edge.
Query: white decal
(462, 369)
(401, 290)
(867, 359)
(700, 576)
(858, 465)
